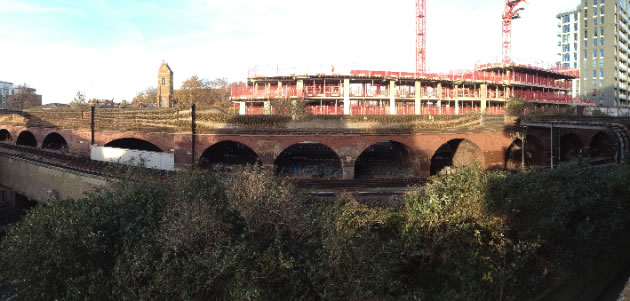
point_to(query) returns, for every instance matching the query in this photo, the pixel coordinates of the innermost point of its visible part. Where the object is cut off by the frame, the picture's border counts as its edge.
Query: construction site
(486, 89)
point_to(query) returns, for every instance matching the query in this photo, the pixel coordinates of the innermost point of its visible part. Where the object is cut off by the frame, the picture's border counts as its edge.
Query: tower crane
(421, 38)
(510, 13)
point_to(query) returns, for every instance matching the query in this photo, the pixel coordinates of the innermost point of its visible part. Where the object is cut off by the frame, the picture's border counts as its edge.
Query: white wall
(163, 161)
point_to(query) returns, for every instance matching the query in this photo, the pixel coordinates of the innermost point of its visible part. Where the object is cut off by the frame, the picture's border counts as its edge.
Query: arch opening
(456, 153)
(535, 153)
(602, 147)
(570, 147)
(55, 141)
(225, 154)
(5, 136)
(26, 138)
(135, 144)
(309, 160)
(385, 160)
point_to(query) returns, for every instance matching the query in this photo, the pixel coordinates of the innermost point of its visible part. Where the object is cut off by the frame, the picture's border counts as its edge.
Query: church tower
(165, 86)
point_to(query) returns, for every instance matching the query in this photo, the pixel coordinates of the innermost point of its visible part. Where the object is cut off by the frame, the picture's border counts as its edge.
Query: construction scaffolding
(366, 92)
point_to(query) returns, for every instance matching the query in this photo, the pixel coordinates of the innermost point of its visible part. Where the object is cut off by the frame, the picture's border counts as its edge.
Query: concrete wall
(39, 183)
(163, 161)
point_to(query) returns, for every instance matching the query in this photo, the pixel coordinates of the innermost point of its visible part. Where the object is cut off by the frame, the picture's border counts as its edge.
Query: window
(163, 81)
(594, 42)
(601, 42)
(594, 65)
(595, 21)
(574, 46)
(601, 62)
(601, 21)
(601, 73)
(601, 82)
(601, 10)
(601, 31)
(594, 53)
(585, 44)
(575, 56)
(585, 54)
(575, 36)
(574, 65)
(594, 2)
(575, 27)
(566, 48)
(601, 52)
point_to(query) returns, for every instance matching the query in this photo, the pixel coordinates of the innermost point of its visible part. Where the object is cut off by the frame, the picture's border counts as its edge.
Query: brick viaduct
(420, 152)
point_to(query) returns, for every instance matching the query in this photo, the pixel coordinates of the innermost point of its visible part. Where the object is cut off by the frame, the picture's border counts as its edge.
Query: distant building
(103, 103)
(5, 91)
(22, 98)
(165, 86)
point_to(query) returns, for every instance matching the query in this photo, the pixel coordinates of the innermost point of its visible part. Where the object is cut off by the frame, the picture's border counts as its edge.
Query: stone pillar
(418, 103)
(483, 91)
(255, 89)
(279, 91)
(348, 172)
(267, 109)
(300, 88)
(439, 96)
(392, 97)
(456, 97)
(346, 97)
(242, 109)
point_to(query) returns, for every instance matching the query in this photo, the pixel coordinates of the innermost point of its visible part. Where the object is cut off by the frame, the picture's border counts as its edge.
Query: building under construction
(364, 92)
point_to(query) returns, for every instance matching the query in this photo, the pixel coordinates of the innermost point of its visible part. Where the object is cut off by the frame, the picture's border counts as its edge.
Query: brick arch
(317, 160)
(210, 156)
(163, 141)
(56, 141)
(456, 152)
(27, 138)
(571, 146)
(387, 159)
(602, 146)
(134, 143)
(204, 142)
(5, 136)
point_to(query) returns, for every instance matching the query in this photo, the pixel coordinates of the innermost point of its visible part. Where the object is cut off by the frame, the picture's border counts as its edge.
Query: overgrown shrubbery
(470, 235)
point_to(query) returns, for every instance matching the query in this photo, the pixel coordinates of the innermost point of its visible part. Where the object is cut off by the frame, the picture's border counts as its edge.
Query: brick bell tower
(165, 86)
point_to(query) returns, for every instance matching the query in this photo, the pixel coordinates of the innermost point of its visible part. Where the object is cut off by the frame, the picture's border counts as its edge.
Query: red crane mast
(421, 37)
(510, 13)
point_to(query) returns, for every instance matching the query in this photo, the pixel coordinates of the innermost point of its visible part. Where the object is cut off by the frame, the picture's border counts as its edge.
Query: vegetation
(78, 101)
(517, 106)
(469, 235)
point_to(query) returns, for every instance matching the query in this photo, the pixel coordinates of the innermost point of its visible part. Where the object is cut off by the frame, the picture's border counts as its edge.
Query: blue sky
(112, 49)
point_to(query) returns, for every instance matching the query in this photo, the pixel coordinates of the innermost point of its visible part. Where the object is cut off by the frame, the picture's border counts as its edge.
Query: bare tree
(79, 100)
(24, 97)
(144, 98)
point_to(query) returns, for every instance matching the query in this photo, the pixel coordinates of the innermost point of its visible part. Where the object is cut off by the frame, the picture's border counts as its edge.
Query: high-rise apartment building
(603, 49)
(570, 46)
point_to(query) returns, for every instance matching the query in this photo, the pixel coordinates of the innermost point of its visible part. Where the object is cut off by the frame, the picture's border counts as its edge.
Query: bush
(468, 235)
